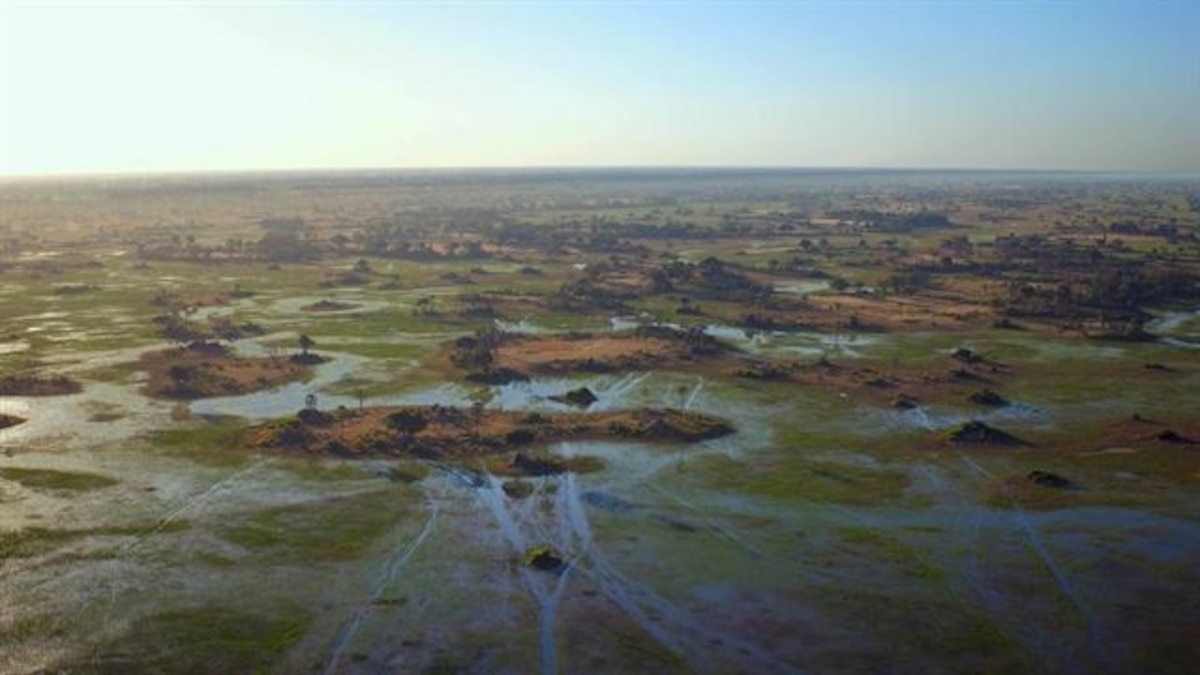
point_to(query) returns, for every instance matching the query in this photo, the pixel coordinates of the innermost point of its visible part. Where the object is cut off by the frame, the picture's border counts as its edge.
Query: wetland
(600, 421)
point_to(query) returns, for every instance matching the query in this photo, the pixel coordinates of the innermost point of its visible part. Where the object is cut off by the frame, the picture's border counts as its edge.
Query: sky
(103, 87)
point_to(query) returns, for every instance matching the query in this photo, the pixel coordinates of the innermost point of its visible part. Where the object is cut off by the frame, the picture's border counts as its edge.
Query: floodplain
(600, 421)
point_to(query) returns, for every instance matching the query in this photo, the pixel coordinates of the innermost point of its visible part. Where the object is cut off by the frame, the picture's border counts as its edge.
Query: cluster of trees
(478, 352)
(714, 279)
(1115, 293)
(178, 328)
(883, 221)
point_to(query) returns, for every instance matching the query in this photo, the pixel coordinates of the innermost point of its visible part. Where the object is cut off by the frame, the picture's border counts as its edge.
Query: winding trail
(691, 399)
(195, 502)
(711, 523)
(546, 595)
(608, 398)
(671, 626)
(384, 579)
(1061, 580)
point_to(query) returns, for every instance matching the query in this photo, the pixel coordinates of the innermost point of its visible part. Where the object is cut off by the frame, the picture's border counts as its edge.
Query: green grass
(408, 472)
(212, 443)
(796, 478)
(382, 323)
(204, 434)
(403, 380)
(50, 479)
(36, 541)
(383, 350)
(316, 470)
(341, 528)
(37, 627)
(880, 546)
(197, 640)
(911, 629)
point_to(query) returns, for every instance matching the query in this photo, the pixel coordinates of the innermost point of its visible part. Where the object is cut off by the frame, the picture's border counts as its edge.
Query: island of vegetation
(204, 369)
(449, 433)
(34, 385)
(494, 356)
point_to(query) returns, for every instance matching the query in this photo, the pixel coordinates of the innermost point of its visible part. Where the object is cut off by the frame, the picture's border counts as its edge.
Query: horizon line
(484, 168)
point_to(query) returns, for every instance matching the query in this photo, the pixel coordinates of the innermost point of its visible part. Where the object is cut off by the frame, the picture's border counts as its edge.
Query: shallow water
(802, 287)
(662, 566)
(1171, 323)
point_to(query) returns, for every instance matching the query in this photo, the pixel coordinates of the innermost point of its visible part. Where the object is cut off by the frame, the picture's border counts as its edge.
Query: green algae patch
(50, 479)
(196, 640)
(341, 528)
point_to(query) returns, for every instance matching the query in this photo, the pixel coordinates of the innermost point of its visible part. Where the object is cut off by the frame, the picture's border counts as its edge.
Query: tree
(306, 343)
(425, 307)
(476, 417)
(181, 376)
(223, 328)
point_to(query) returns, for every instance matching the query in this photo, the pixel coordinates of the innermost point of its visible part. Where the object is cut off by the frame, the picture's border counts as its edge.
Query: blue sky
(140, 86)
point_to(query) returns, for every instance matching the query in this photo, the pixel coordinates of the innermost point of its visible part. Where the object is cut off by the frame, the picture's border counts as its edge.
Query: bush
(519, 436)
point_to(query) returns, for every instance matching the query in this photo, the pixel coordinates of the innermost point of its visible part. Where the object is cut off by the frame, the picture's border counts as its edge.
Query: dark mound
(7, 421)
(964, 375)
(987, 397)
(1051, 480)
(497, 376)
(329, 306)
(979, 433)
(314, 417)
(530, 465)
(309, 359)
(967, 356)
(517, 489)
(581, 397)
(545, 559)
(1171, 436)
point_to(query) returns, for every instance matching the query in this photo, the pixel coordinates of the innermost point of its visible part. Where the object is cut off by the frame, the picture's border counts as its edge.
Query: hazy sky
(145, 86)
